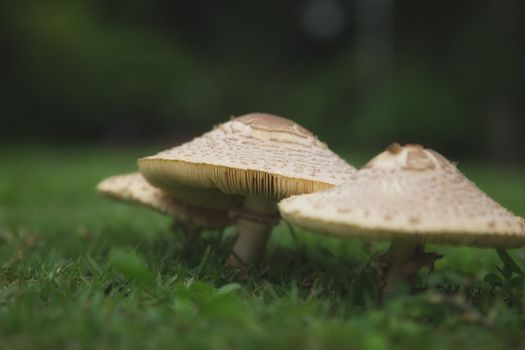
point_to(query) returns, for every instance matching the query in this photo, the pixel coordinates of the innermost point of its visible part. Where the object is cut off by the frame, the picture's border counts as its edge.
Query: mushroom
(410, 196)
(260, 156)
(191, 208)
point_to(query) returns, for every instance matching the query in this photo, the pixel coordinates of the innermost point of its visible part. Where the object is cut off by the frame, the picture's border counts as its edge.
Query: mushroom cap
(408, 193)
(133, 188)
(255, 154)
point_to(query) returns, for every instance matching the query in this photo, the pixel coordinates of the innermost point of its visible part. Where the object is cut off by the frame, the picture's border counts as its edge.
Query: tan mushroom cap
(255, 154)
(408, 193)
(133, 188)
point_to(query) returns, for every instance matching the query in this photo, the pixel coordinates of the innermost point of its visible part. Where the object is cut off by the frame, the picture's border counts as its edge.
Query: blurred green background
(361, 73)
(88, 86)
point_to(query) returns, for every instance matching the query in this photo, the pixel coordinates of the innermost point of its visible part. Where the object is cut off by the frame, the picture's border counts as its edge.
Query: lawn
(79, 271)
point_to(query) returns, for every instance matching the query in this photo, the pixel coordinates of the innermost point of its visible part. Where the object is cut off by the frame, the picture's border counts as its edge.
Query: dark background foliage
(361, 73)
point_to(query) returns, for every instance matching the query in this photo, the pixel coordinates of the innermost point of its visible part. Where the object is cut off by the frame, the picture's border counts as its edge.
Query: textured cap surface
(255, 154)
(134, 188)
(408, 193)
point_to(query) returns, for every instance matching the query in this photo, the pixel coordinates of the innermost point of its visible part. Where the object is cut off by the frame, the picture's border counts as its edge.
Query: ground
(80, 271)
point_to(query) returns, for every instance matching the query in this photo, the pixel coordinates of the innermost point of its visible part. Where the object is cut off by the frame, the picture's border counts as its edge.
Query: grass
(79, 271)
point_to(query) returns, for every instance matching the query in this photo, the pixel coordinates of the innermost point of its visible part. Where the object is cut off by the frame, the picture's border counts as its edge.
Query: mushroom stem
(258, 216)
(401, 264)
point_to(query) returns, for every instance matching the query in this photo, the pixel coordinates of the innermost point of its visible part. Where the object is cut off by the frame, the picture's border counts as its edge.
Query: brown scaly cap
(255, 154)
(408, 193)
(133, 188)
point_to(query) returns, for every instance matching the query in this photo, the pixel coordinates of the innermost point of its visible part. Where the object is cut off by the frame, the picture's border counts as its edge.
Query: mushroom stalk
(257, 218)
(402, 262)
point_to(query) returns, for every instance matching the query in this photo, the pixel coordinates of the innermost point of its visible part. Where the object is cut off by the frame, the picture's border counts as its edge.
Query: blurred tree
(360, 73)
(506, 108)
(374, 45)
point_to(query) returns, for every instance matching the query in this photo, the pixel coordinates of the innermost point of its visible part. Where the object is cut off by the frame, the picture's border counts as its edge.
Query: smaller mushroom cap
(255, 154)
(133, 188)
(408, 193)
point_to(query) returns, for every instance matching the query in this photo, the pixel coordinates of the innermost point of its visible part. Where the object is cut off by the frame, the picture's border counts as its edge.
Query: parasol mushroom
(259, 156)
(206, 211)
(409, 196)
